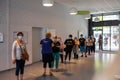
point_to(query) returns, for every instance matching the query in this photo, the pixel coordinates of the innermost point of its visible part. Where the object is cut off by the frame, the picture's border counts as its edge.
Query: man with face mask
(69, 46)
(82, 45)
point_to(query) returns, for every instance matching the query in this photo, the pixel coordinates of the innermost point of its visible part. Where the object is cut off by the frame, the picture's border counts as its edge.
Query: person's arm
(14, 52)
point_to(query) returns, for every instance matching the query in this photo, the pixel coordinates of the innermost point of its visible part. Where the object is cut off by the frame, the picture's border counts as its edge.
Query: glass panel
(114, 38)
(106, 38)
(96, 35)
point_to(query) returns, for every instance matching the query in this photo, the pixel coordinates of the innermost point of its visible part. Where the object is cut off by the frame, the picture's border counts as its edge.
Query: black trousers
(61, 56)
(68, 53)
(20, 67)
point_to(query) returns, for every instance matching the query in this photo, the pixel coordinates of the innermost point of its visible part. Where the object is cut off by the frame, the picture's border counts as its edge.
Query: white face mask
(70, 37)
(20, 37)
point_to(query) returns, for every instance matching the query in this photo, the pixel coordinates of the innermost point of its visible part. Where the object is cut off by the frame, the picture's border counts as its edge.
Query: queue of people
(52, 50)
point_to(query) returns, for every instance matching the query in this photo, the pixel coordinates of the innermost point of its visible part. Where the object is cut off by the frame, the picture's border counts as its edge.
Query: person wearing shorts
(82, 45)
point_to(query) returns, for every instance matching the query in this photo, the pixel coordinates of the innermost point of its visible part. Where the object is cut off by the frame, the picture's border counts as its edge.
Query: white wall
(25, 14)
(4, 28)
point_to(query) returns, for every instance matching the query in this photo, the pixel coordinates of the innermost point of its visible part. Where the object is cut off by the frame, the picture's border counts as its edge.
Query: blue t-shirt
(46, 45)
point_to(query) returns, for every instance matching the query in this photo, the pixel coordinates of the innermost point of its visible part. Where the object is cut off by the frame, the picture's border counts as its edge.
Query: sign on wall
(1, 37)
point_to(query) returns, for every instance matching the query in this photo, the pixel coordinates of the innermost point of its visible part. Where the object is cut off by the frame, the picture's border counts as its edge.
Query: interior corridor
(81, 69)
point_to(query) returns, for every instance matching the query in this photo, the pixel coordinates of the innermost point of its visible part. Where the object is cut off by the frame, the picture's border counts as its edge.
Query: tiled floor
(81, 69)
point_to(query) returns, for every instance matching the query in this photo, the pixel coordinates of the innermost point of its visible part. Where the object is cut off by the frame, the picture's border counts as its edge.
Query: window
(110, 17)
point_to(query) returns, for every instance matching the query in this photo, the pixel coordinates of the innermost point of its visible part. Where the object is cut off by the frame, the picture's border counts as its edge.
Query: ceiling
(94, 6)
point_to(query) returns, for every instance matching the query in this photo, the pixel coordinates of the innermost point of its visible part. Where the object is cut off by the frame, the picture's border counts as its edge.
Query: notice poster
(1, 37)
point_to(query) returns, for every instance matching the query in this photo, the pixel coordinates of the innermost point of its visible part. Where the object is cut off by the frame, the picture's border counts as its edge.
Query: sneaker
(85, 55)
(81, 55)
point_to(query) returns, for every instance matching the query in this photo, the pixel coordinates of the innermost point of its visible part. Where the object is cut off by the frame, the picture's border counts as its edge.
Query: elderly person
(17, 58)
(47, 52)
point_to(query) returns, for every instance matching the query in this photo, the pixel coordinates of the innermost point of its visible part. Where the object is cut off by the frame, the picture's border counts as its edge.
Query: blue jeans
(56, 58)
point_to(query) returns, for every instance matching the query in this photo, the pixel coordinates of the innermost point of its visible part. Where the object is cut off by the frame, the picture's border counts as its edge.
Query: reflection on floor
(81, 69)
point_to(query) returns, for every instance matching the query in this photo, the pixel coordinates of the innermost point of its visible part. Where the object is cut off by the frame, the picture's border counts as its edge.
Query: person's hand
(13, 61)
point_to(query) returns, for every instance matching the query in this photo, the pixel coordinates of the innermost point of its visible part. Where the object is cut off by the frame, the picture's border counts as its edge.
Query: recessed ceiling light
(47, 3)
(73, 11)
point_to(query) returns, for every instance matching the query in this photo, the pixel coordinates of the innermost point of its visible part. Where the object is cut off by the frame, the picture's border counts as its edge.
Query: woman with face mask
(56, 52)
(17, 47)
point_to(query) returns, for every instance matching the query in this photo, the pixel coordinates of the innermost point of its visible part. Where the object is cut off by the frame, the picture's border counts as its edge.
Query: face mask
(20, 37)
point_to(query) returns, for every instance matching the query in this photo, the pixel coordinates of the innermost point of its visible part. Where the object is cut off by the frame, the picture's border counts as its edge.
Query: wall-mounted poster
(25, 38)
(1, 37)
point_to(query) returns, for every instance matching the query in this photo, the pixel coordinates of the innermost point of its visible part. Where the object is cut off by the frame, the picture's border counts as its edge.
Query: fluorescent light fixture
(73, 11)
(47, 3)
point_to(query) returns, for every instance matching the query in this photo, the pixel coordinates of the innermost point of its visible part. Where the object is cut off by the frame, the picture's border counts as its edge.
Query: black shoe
(44, 74)
(81, 55)
(85, 55)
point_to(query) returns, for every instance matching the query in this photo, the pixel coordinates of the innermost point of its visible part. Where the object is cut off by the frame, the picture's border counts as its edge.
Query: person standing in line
(17, 50)
(82, 45)
(47, 53)
(75, 48)
(93, 40)
(100, 42)
(88, 45)
(56, 52)
(69, 46)
(61, 48)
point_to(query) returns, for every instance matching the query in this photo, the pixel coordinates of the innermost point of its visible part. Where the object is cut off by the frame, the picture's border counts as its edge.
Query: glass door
(96, 35)
(114, 38)
(106, 38)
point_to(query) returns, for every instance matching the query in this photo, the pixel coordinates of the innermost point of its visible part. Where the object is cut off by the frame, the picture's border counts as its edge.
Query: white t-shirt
(16, 51)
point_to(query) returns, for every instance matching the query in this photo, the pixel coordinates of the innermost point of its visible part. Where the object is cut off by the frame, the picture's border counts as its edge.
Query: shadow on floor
(59, 70)
(47, 77)
(69, 62)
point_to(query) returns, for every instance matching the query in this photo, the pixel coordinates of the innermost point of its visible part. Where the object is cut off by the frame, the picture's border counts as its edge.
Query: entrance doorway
(110, 37)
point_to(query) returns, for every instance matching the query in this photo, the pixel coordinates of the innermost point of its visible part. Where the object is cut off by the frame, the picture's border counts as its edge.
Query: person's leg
(85, 51)
(50, 68)
(57, 60)
(69, 55)
(89, 50)
(17, 69)
(61, 56)
(44, 66)
(94, 48)
(81, 49)
(22, 65)
(52, 63)
(66, 55)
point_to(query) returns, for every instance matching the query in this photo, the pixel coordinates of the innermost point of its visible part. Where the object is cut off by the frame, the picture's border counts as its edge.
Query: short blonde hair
(48, 35)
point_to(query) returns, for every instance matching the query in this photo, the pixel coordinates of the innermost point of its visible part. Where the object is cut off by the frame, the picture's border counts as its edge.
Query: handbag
(24, 54)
